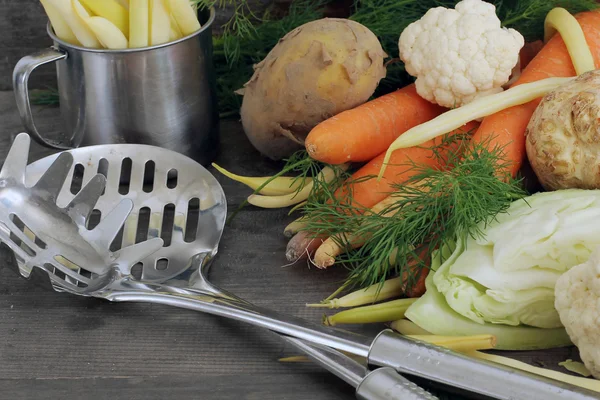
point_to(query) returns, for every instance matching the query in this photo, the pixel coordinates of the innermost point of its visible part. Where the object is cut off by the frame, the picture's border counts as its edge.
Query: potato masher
(67, 257)
(181, 283)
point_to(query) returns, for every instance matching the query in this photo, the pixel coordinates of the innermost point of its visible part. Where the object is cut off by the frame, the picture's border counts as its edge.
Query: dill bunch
(432, 208)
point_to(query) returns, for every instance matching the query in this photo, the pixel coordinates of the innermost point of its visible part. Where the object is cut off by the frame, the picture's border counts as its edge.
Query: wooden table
(57, 346)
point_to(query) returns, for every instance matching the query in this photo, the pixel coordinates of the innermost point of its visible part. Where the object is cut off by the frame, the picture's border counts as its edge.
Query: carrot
(529, 51)
(337, 244)
(364, 132)
(506, 128)
(303, 245)
(368, 192)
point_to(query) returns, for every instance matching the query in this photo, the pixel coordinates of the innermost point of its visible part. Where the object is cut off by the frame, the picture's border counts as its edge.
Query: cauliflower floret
(459, 54)
(577, 300)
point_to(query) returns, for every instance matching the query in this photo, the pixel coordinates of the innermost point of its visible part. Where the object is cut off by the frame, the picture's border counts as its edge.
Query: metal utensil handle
(241, 311)
(442, 365)
(386, 384)
(21, 74)
(381, 384)
(387, 350)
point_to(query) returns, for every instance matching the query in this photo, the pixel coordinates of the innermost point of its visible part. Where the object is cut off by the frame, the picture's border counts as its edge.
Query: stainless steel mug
(162, 95)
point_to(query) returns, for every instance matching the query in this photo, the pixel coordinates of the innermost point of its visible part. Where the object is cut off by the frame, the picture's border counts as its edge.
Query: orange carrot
(368, 192)
(364, 132)
(529, 51)
(507, 128)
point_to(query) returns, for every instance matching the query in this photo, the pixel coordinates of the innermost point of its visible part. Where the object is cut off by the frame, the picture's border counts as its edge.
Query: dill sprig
(433, 207)
(527, 16)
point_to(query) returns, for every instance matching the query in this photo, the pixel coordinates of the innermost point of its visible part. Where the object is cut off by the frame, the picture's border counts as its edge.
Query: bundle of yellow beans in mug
(121, 24)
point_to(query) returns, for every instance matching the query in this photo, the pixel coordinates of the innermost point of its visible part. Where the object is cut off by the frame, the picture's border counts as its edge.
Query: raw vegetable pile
(424, 194)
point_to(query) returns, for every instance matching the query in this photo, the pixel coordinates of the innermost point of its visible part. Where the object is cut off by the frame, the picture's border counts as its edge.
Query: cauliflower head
(459, 54)
(577, 300)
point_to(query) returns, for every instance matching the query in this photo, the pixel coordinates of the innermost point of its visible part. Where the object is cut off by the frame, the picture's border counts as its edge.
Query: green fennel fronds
(433, 207)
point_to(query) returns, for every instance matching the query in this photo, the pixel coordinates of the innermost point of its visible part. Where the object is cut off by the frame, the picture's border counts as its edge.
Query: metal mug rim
(207, 25)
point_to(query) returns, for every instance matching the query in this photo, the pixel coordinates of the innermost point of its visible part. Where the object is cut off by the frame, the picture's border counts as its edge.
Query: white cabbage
(508, 275)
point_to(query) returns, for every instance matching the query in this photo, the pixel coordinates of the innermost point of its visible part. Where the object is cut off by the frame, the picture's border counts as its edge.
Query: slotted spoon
(56, 240)
(173, 274)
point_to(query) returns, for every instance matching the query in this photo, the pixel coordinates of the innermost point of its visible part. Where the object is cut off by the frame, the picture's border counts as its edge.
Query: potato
(112, 10)
(60, 26)
(139, 29)
(315, 72)
(107, 33)
(160, 23)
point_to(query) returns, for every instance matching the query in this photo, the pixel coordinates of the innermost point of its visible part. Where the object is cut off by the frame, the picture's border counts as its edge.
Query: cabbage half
(503, 283)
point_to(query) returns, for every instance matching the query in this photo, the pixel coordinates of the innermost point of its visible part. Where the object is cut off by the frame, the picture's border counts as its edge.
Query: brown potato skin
(315, 72)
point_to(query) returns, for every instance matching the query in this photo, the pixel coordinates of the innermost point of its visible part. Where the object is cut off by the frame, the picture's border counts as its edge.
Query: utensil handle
(387, 384)
(438, 364)
(21, 73)
(244, 312)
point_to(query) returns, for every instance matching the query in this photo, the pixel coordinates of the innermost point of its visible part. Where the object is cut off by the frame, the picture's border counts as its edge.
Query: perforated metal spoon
(47, 237)
(182, 284)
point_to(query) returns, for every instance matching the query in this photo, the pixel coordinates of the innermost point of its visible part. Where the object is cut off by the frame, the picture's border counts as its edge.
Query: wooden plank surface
(57, 346)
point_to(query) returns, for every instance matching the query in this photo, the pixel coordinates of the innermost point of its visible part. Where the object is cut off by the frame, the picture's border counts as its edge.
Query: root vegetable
(69, 9)
(160, 23)
(553, 60)
(139, 18)
(368, 192)
(362, 133)
(184, 15)
(479, 108)
(315, 72)
(303, 246)
(338, 244)
(562, 142)
(60, 26)
(112, 10)
(107, 33)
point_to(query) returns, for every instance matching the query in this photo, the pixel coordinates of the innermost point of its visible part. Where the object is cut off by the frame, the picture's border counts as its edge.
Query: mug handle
(21, 74)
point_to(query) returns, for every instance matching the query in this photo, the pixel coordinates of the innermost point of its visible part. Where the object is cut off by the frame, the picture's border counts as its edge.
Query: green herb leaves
(432, 208)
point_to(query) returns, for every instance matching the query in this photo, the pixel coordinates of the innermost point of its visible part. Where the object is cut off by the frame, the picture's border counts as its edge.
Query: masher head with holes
(168, 198)
(55, 239)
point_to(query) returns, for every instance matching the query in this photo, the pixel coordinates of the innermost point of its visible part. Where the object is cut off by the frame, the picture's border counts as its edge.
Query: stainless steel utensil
(79, 261)
(184, 285)
(162, 95)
